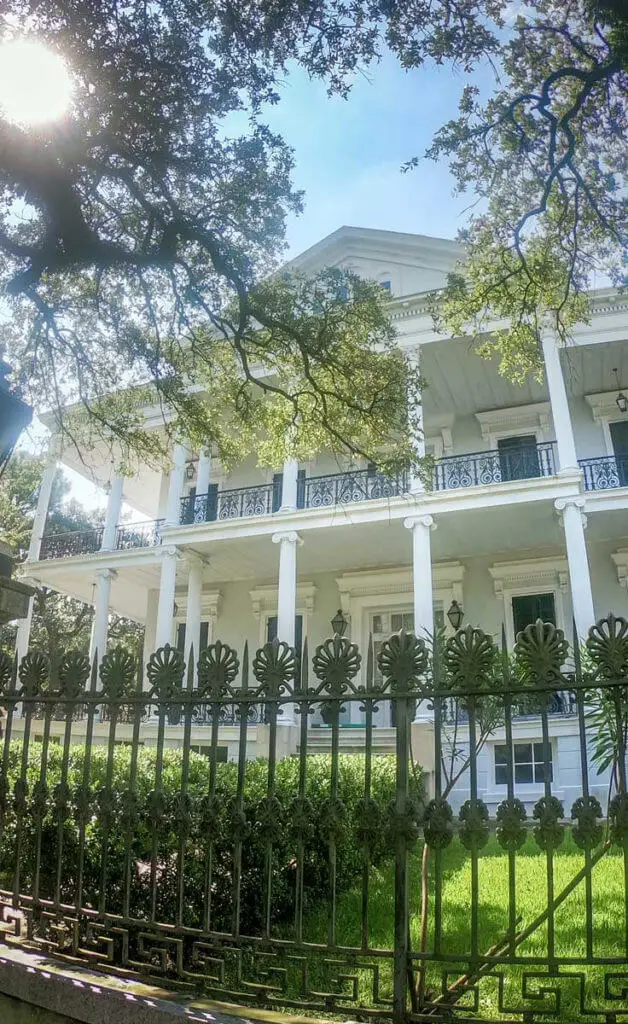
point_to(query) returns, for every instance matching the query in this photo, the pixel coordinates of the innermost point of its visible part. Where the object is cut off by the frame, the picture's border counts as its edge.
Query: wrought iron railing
(357, 485)
(228, 879)
(478, 469)
(604, 472)
(237, 503)
(139, 535)
(65, 545)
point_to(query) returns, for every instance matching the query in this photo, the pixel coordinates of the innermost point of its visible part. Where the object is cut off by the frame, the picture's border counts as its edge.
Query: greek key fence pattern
(229, 880)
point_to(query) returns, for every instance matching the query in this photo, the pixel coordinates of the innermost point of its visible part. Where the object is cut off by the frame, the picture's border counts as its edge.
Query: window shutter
(277, 488)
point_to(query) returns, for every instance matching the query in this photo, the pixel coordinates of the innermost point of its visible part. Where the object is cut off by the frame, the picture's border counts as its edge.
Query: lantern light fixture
(339, 623)
(621, 401)
(455, 614)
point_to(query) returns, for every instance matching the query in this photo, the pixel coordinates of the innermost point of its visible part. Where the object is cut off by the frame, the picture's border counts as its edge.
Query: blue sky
(349, 152)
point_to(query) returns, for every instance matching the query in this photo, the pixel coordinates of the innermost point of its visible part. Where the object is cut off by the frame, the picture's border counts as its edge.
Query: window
(180, 645)
(384, 623)
(386, 285)
(206, 751)
(527, 608)
(528, 764)
(518, 457)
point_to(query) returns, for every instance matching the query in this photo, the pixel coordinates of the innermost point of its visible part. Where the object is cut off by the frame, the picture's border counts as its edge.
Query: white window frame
(522, 579)
(604, 411)
(513, 422)
(523, 788)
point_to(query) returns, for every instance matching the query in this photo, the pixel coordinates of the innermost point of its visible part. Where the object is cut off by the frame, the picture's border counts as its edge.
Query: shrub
(192, 828)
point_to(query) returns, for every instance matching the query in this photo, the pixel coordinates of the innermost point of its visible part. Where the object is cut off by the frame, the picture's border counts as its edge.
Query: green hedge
(280, 821)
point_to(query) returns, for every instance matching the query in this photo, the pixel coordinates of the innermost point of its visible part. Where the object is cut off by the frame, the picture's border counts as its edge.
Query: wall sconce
(339, 623)
(455, 614)
(190, 471)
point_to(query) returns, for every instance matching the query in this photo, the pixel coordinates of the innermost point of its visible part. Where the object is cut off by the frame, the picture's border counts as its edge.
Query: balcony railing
(88, 542)
(65, 545)
(479, 469)
(238, 503)
(139, 535)
(604, 472)
(358, 485)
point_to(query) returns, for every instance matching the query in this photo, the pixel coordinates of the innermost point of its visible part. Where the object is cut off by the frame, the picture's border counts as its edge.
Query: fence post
(400, 983)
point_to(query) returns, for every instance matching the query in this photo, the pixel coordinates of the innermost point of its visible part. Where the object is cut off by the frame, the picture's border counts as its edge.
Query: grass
(531, 899)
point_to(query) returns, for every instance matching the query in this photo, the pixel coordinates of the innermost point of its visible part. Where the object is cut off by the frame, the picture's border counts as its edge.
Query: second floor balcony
(474, 469)
(88, 542)
(605, 472)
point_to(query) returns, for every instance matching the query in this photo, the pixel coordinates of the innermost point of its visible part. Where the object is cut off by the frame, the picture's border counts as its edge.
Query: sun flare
(35, 86)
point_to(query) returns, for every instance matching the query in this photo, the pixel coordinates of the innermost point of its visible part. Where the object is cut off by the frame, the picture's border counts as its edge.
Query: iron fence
(478, 469)
(605, 472)
(237, 503)
(296, 882)
(359, 485)
(76, 542)
(139, 535)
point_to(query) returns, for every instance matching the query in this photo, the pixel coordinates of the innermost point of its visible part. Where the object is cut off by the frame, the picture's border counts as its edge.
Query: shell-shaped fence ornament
(335, 664)
(468, 660)
(607, 644)
(165, 673)
(33, 672)
(549, 832)
(540, 650)
(6, 671)
(274, 667)
(73, 673)
(511, 832)
(438, 824)
(473, 817)
(403, 662)
(586, 814)
(218, 667)
(117, 673)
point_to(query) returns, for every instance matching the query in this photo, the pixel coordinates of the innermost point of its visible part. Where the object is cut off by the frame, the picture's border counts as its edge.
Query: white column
(565, 443)
(167, 586)
(23, 633)
(150, 626)
(289, 486)
(100, 625)
(287, 594)
(574, 520)
(162, 500)
(203, 473)
(112, 518)
(416, 422)
(287, 600)
(193, 616)
(422, 573)
(175, 486)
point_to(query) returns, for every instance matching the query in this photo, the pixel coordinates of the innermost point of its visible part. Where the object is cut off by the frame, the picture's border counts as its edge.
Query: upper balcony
(475, 469)
(605, 472)
(89, 542)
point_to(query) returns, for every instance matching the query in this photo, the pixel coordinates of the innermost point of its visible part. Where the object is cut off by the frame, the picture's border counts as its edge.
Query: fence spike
(305, 666)
(576, 653)
(93, 683)
(190, 669)
(369, 663)
(245, 666)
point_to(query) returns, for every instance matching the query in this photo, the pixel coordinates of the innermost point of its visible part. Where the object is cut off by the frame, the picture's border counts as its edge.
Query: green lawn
(531, 899)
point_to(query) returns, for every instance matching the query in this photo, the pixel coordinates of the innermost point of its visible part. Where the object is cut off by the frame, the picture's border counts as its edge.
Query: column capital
(577, 502)
(168, 551)
(106, 574)
(426, 521)
(193, 559)
(289, 536)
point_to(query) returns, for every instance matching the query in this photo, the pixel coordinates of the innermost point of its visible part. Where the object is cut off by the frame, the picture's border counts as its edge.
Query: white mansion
(527, 516)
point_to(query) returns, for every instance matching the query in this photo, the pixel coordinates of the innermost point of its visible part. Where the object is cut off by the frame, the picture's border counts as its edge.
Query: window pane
(527, 608)
(501, 754)
(377, 624)
(538, 752)
(396, 622)
(501, 775)
(523, 753)
(539, 772)
(523, 773)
